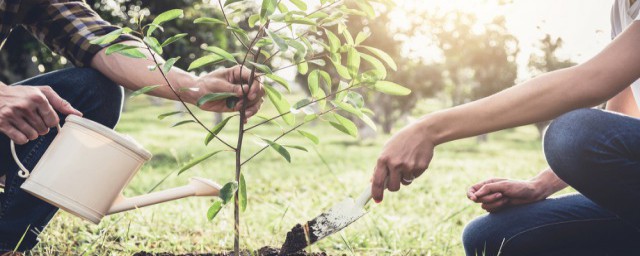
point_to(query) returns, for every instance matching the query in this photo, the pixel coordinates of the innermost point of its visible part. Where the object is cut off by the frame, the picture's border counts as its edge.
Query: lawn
(425, 218)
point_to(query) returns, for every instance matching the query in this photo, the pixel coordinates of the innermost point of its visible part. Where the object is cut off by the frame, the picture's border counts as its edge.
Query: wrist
(187, 88)
(431, 126)
(541, 188)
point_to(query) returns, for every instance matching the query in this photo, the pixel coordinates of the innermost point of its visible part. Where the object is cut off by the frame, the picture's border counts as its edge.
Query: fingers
(488, 189)
(58, 103)
(491, 198)
(378, 184)
(14, 134)
(36, 121)
(25, 128)
(495, 206)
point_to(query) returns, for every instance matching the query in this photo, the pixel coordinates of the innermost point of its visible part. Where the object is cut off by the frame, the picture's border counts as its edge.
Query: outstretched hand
(496, 194)
(404, 158)
(230, 80)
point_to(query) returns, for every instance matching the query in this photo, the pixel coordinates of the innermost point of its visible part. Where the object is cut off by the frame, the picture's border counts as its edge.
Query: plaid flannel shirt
(65, 26)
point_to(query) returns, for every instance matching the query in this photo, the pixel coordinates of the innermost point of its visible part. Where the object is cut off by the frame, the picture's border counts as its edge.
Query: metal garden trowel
(338, 217)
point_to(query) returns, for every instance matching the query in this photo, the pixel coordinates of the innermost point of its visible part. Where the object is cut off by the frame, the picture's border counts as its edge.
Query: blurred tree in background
(471, 59)
(546, 60)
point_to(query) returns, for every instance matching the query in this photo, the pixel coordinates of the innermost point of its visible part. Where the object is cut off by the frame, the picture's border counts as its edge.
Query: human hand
(27, 112)
(229, 80)
(404, 157)
(495, 194)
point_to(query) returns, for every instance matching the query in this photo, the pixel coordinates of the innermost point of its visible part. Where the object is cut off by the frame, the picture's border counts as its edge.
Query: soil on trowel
(264, 251)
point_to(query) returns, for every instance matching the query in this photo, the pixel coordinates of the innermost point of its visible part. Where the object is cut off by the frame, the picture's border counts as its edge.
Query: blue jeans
(597, 153)
(93, 94)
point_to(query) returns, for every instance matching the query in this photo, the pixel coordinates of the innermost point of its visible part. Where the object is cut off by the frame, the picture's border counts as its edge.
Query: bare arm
(409, 152)
(134, 74)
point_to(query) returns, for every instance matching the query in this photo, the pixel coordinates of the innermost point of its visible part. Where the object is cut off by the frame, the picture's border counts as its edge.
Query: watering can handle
(24, 172)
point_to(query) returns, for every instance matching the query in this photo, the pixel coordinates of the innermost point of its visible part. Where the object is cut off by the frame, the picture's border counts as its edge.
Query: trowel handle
(23, 172)
(365, 196)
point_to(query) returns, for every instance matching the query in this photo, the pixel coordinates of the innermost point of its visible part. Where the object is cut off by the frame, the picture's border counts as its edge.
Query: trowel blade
(335, 219)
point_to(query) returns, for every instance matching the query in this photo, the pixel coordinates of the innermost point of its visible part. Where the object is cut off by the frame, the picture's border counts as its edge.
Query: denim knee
(100, 98)
(569, 142)
(479, 238)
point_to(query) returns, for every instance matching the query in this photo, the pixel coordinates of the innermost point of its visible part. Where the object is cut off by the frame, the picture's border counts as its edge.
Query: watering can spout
(196, 187)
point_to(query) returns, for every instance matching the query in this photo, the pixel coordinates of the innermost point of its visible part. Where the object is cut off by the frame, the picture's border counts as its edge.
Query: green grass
(425, 218)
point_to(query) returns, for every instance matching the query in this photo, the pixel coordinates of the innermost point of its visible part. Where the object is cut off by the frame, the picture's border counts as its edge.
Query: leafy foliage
(297, 37)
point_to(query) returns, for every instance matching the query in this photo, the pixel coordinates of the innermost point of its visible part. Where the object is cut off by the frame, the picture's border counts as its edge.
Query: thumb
(59, 103)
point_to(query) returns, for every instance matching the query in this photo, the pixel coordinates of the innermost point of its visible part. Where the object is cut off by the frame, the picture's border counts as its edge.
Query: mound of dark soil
(264, 251)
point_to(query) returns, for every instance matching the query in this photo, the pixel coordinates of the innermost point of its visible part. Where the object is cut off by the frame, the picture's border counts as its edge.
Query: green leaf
(282, 45)
(213, 97)
(253, 19)
(366, 8)
(172, 39)
(391, 88)
(152, 27)
(227, 191)
(132, 53)
(345, 125)
(342, 70)
(361, 37)
(354, 99)
(377, 65)
(280, 149)
(167, 16)
(300, 4)
(196, 161)
(214, 210)
(353, 61)
(280, 103)
(144, 90)
(310, 136)
(242, 196)
(166, 67)
(301, 148)
(279, 80)
(348, 37)
(209, 59)
(183, 122)
(165, 115)
(228, 2)
(384, 56)
(348, 108)
(118, 47)
(268, 7)
(216, 129)
(207, 20)
(108, 38)
(153, 43)
(334, 41)
(303, 67)
(367, 120)
(263, 68)
(222, 53)
(312, 82)
(301, 104)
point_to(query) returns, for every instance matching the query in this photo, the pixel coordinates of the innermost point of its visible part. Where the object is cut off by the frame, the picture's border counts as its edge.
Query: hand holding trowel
(338, 217)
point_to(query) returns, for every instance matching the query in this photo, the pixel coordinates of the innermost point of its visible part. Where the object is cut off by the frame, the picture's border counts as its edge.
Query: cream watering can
(87, 166)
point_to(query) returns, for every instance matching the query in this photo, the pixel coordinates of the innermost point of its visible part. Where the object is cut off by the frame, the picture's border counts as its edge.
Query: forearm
(544, 97)
(134, 74)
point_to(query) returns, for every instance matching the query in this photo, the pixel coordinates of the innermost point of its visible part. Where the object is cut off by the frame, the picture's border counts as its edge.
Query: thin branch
(195, 118)
(303, 105)
(224, 14)
(284, 134)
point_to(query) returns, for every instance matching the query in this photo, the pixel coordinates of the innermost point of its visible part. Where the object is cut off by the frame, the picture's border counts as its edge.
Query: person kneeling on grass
(596, 152)
(28, 109)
